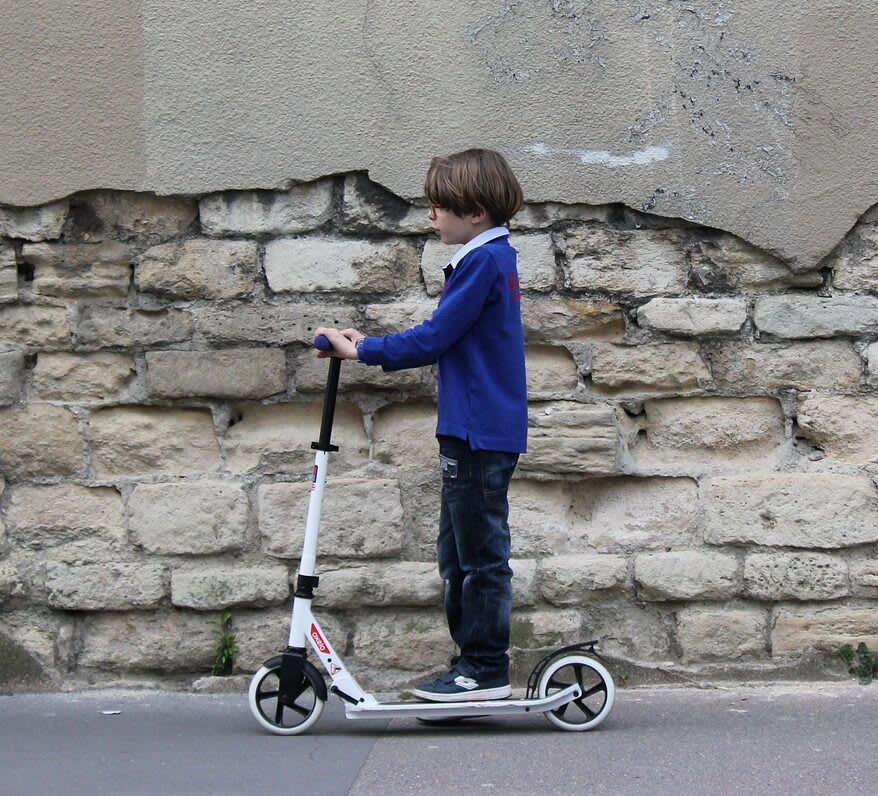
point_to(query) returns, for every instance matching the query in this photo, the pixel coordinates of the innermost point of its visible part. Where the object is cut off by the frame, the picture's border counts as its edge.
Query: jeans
(473, 552)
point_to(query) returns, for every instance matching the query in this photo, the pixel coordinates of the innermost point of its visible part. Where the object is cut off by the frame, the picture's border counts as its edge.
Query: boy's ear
(479, 216)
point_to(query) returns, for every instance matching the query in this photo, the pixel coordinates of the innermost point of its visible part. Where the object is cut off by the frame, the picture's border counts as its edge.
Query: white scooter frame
(287, 694)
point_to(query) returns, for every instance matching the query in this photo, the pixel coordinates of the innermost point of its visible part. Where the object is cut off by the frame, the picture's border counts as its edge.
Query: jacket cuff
(369, 350)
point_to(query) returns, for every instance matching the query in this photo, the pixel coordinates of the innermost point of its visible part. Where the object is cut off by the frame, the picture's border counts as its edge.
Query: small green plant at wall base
(226, 646)
(866, 668)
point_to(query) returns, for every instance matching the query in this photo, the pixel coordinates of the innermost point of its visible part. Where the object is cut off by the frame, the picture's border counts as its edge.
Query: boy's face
(457, 230)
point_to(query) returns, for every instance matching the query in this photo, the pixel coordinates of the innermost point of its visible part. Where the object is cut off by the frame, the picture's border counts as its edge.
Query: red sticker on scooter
(318, 640)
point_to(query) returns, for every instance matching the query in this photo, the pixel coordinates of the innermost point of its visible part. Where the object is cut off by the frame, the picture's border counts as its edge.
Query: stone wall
(698, 494)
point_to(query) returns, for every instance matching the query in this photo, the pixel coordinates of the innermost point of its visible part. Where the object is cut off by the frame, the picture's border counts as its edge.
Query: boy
(476, 337)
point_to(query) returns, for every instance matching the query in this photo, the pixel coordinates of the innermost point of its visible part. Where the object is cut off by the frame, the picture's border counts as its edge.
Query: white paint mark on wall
(600, 157)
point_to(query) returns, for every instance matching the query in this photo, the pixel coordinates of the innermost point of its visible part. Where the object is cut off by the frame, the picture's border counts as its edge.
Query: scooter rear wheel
(292, 715)
(598, 692)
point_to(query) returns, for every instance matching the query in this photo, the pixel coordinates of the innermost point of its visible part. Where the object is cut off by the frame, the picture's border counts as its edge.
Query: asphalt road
(778, 739)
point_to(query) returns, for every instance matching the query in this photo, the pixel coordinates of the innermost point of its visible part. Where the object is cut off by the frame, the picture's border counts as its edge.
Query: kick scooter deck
(569, 686)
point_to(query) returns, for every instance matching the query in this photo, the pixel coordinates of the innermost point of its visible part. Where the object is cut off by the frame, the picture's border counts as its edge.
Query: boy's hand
(343, 343)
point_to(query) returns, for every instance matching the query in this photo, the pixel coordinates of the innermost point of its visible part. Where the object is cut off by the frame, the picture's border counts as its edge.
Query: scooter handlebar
(321, 343)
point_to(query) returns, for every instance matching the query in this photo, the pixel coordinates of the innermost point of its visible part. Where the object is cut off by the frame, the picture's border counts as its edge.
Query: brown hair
(473, 180)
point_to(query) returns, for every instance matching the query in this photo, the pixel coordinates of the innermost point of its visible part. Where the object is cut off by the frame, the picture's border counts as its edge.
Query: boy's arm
(455, 315)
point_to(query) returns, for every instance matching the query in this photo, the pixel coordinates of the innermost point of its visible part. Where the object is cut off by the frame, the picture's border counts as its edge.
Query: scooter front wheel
(598, 692)
(292, 714)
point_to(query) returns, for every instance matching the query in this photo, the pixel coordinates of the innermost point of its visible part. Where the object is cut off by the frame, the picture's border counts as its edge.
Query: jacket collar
(479, 240)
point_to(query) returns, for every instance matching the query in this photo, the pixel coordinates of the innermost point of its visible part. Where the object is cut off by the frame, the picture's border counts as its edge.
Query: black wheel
(290, 716)
(598, 692)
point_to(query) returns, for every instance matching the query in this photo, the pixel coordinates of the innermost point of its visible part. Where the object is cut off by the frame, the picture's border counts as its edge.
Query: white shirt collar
(478, 240)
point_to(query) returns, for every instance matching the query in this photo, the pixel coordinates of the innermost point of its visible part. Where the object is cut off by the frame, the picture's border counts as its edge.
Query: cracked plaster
(749, 117)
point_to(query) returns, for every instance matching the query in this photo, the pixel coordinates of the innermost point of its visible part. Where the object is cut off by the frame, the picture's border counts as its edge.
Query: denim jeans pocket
(448, 469)
(497, 468)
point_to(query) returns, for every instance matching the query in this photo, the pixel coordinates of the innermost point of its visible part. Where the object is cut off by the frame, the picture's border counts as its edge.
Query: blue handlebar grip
(321, 343)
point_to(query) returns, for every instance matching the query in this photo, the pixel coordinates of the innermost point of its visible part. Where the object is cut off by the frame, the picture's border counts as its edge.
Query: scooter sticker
(313, 479)
(334, 669)
(318, 640)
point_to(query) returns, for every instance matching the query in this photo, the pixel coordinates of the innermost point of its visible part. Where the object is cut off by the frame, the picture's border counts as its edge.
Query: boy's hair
(473, 180)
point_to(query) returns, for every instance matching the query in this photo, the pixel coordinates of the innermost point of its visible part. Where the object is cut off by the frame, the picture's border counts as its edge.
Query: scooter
(286, 696)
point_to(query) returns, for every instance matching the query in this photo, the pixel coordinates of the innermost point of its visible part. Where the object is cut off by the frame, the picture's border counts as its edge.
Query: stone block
(435, 256)
(80, 270)
(779, 366)
(380, 319)
(11, 375)
(125, 215)
(822, 510)
(55, 514)
(795, 576)
(361, 518)
(197, 518)
(39, 441)
(109, 327)
(408, 583)
(551, 372)
(145, 440)
(703, 432)
(796, 631)
(629, 631)
(626, 514)
(534, 630)
(11, 582)
(631, 262)
(35, 328)
(535, 262)
(368, 207)
(110, 586)
(271, 325)
(872, 365)
(547, 214)
(76, 377)
(524, 582)
(277, 438)
(310, 377)
(199, 269)
(320, 264)
(856, 268)
(218, 588)
(8, 275)
(405, 435)
(574, 579)
(727, 263)
(566, 438)
(539, 518)
(724, 634)
(797, 316)
(844, 427)
(548, 320)
(864, 577)
(163, 642)
(686, 575)
(648, 367)
(34, 223)
(301, 209)
(31, 640)
(410, 640)
(693, 315)
(230, 373)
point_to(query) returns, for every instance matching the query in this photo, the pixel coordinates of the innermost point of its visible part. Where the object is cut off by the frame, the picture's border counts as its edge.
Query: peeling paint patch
(600, 157)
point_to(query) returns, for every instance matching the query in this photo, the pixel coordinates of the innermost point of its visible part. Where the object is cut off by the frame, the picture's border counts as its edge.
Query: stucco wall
(749, 117)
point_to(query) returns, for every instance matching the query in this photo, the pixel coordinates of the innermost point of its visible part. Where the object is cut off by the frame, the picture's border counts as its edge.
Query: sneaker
(456, 687)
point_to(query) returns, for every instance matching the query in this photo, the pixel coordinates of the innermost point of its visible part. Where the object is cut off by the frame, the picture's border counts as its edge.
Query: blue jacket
(475, 335)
